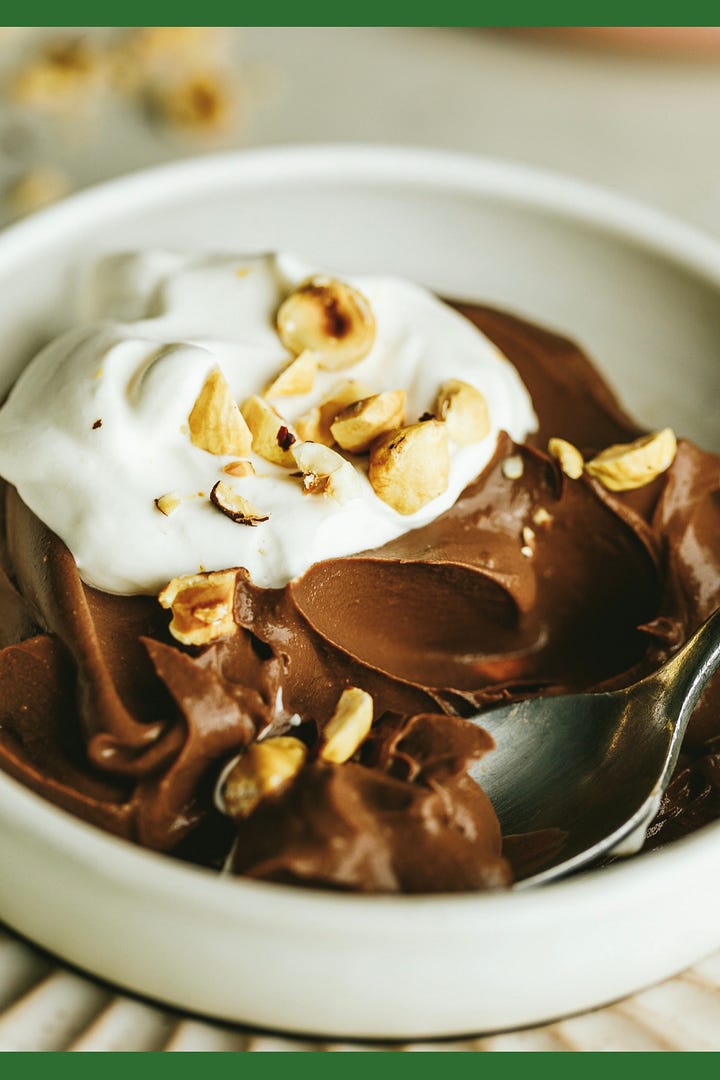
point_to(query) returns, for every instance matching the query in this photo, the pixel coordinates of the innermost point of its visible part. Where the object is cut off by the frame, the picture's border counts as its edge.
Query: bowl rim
(421, 167)
(514, 183)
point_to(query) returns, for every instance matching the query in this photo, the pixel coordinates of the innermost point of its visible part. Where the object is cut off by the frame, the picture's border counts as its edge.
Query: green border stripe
(375, 13)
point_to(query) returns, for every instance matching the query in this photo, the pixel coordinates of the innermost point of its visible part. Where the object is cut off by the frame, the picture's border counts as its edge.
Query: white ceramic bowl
(643, 294)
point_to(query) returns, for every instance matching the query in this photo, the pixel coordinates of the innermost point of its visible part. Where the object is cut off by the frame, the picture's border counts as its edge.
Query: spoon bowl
(586, 772)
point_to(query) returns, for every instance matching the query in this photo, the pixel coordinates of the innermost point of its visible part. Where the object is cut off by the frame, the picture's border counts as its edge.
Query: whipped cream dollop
(96, 428)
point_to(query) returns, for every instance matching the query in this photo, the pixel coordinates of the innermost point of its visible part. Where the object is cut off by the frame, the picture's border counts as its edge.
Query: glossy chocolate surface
(103, 713)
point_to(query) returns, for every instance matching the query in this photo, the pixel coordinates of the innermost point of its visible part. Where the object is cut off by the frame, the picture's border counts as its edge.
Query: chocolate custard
(531, 583)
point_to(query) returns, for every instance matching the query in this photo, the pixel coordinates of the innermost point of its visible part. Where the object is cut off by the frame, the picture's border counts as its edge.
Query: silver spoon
(594, 766)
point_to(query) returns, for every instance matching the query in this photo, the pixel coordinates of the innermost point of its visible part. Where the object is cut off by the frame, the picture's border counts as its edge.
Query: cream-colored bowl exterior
(643, 295)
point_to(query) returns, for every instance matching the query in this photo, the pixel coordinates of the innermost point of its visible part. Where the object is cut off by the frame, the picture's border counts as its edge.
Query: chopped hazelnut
(357, 426)
(272, 437)
(310, 428)
(173, 42)
(201, 101)
(202, 606)
(541, 516)
(325, 472)
(464, 410)
(67, 73)
(626, 466)
(37, 188)
(285, 437)
(411, 466)
(167, 504)
(568, 457)
(215, 423)
(513, 467)
(239, 468)
(266, 768)
(330, 318)
(297, 378)
(348, 726)
(314, 426)
(235, 506)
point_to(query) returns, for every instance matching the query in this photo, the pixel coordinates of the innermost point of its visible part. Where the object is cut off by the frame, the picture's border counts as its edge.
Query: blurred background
(632, 108)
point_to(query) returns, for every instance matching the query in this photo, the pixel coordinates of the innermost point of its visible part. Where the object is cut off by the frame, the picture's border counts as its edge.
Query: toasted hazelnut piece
(297, 378)
(343, 393)
(348, 726)
(285, 437)
(411, 466)
(167, 503)
(357, 426)
(324, 472)
(568, 457)
(198, 100)
(215, 422)
(264, 769)
(239, 468)
(464, 410)
(202, 606)
(66, 73)
(528, 541)
(179, 44)
(235, 506)
(541, 516)
(37, 188)
(513, 467)
(329, 317)
(310, 428)
(626, 466)
(314, 426)
(271, 435)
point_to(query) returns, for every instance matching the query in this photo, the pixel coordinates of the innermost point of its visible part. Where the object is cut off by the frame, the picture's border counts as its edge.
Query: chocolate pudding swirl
(104, 714)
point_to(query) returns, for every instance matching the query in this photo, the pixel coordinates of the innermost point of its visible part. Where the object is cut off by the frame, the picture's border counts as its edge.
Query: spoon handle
(684, 677)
